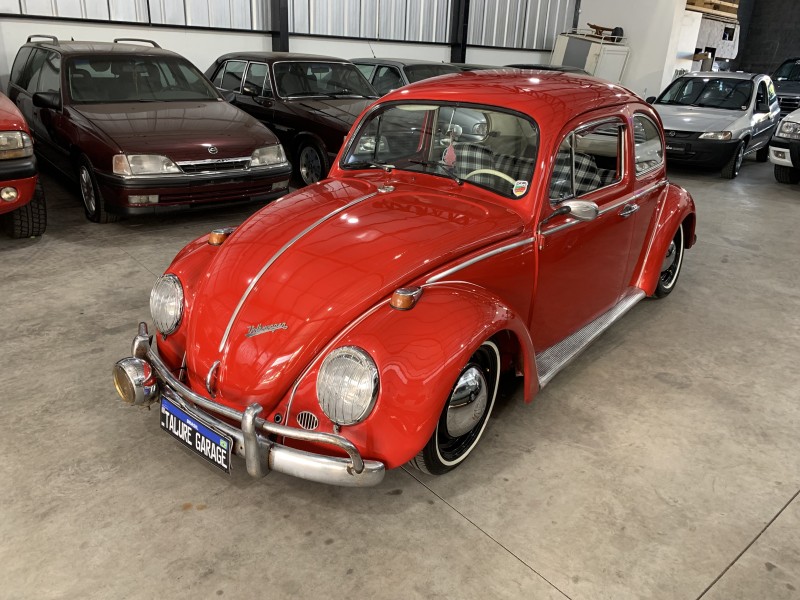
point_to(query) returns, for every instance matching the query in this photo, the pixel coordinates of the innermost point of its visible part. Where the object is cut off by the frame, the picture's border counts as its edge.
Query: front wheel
(465, 413)
(311, 163)
(93, 203)
(731, 168)
(29, 220)
(671, 265)
(784, 174)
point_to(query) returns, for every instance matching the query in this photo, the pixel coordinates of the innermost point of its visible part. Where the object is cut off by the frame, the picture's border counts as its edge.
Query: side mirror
(249, 90)
(50, 100)
(582, 210)
(650, 99)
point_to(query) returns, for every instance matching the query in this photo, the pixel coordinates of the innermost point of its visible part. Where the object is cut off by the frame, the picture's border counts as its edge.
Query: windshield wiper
(441, 166)
(365, 164)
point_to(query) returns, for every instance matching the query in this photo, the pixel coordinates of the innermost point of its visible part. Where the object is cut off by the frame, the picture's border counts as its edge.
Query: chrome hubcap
(739, 158)
(467, 403)
(310, 165)
(670, 257)
(87, 189)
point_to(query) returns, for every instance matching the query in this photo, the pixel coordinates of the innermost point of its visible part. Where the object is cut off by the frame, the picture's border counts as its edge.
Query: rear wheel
(93, 204)
(762, 154)
(731, 168)
(311, 162)
(29, 220)
(671, 265)
(465, 413)
(784, 174)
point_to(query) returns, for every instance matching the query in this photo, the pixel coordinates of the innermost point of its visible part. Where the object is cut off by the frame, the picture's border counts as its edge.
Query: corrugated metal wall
(532, 24)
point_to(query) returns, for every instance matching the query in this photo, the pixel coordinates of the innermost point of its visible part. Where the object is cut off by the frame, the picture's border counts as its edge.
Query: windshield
(711, 92)
(788, 71)
(126, 78)
(419, 72)
(332, 79)
(481, 146)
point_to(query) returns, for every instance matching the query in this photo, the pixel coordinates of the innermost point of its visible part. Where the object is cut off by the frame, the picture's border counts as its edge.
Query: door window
(30, 76)
(19, 66)
(50, 74)
(589, 158)
(258, 79)
(387, 79)
(648, 149)
(230, 76)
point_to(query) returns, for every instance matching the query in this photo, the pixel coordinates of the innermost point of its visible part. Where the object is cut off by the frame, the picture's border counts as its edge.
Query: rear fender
(420, 354)
(677, 207)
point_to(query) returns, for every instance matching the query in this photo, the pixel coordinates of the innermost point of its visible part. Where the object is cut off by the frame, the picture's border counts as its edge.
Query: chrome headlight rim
(169, 325)
(330, 400)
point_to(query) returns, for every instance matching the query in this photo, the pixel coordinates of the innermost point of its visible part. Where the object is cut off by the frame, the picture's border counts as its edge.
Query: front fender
(420, 354)
(678, 207)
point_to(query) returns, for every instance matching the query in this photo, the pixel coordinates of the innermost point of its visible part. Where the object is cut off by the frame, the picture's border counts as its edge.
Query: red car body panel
(11, 119)
(332, 285)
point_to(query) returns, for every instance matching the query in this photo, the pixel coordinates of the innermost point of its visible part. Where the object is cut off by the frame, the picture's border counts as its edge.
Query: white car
(784, 149)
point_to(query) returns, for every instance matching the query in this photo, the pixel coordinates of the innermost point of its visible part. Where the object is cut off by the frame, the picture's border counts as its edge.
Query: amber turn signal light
(405, 298)
(216, 237)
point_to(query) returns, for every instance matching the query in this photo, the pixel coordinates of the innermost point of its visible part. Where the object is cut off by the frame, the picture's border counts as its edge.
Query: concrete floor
(664, 463)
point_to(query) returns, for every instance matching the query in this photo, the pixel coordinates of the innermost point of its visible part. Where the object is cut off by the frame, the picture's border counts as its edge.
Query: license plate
(213, 446)
(676, 148)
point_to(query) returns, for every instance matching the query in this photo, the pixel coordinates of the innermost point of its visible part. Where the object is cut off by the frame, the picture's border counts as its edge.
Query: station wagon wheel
(671, 265)
(465, 413)
(93, 203)
(731, 168)
(311, 163)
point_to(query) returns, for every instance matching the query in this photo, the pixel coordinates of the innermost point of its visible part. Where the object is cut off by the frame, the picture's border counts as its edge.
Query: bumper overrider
(143, 378)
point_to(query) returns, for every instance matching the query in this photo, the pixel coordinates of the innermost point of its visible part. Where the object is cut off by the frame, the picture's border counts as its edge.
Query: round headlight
(347, 385)
(166, 303)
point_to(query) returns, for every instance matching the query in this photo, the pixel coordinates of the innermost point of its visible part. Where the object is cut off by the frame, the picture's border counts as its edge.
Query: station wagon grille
(213, 165)
(307, 420)
(789, 103)
(678, 135)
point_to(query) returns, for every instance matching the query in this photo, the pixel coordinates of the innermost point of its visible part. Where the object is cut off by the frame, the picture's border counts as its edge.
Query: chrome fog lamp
(716, 135)
(268, 156)
(166, 303)
(15, 144)
(143, 164)
(135, 381)
(347, 385)
(9, 194)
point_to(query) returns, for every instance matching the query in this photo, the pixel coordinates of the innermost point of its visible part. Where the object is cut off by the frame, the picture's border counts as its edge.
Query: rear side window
(647, 143)
(230, 77)
(19, 66)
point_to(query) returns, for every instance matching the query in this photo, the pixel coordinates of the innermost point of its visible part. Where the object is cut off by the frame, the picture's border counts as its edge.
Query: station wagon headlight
(268, 156)
(789, 129)
(166, 303)
(15, 144)
(347, 385)
(143, 164)
(716, 135)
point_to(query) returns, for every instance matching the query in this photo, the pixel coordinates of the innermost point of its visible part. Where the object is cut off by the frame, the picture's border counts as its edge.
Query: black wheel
(784, 174)
(29, 220)
(311, 163)
(762, 154)
(465, 413)
(671, 265)
(731, 168)
(93, 204)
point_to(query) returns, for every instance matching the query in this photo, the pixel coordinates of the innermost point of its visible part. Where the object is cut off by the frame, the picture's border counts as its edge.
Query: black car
(787, 85)
(309, 101)
(387, 74)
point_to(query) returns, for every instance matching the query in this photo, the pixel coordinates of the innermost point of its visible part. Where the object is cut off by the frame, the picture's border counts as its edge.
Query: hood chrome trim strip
(277, 255)
(479, 258)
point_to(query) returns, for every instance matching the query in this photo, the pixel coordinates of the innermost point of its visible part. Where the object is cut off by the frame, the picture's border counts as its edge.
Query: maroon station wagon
(141, 128)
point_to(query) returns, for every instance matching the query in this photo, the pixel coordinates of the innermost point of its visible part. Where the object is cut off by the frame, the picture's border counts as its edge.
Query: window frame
(648, 171)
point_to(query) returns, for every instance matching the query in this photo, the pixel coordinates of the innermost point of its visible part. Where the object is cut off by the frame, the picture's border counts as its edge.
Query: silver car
(715, 119)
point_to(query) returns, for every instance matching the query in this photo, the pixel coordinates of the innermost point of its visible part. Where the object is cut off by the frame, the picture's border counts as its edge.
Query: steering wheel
(490, 172)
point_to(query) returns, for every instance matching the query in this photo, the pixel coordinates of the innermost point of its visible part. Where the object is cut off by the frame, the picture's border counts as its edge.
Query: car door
(50, 125)
(256, 96)
(582, 265)
(766, 113)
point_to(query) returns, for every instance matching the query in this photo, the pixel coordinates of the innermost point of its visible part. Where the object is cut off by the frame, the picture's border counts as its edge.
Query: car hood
(343, 111)
(695, 118)
(10, 117)
(179, 130)
(314, 271)
(788, 87)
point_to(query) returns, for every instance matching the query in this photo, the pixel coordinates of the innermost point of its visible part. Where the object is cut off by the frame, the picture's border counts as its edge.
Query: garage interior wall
(771, 35)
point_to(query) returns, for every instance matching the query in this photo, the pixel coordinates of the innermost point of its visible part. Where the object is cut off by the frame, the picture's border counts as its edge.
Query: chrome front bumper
(261, 454)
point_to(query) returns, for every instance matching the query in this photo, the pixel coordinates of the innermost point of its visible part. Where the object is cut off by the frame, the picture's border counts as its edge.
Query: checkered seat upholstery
(471, 157)
(587, 176)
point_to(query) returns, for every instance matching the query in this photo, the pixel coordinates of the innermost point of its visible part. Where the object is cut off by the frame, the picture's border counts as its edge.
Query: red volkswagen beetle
(474, 226)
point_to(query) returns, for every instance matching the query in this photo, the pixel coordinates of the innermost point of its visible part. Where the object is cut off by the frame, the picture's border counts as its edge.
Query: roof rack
(52, 38)
(118, 40)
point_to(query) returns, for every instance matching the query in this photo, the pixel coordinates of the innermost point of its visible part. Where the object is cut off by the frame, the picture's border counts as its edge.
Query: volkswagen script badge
(254, 330)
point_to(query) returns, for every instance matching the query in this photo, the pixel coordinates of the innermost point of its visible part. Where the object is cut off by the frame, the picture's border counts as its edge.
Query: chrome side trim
(558, 356)
(213, 161)
(479, 258)
(277, 255)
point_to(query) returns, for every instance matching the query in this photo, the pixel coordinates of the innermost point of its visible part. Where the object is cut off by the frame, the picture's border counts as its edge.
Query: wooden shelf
(726, 9)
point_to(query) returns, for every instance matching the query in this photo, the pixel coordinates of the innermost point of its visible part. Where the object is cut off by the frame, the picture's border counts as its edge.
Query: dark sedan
(309, 101)
(387, 74)
(141, 129)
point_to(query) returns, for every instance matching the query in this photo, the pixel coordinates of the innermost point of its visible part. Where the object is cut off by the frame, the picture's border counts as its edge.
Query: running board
(551, 361)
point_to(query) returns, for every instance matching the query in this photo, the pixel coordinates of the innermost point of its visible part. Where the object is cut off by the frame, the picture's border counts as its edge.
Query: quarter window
(19, 66)
(230, 77)
(386, 80)
(588, 159)
(649, 149)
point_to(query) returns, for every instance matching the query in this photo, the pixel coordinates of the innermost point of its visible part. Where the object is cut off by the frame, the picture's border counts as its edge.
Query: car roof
(400, 62)
(69, 48)
(558, 92)
(279, 56)
(723, 74)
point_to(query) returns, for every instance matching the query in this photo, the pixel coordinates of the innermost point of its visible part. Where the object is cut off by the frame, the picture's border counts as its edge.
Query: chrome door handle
(628, 210)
